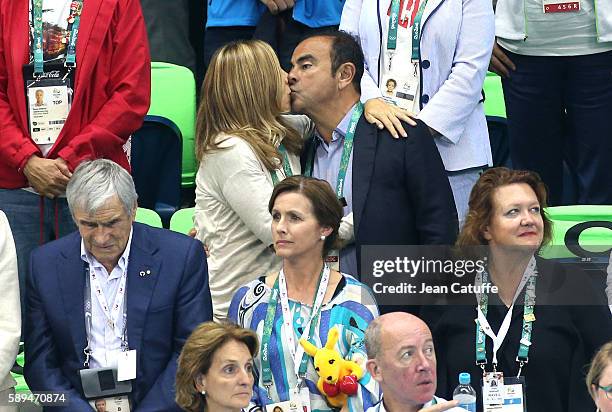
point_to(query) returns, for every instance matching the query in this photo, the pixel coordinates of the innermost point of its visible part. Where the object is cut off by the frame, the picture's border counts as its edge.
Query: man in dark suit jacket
(164, 277)
(401, 194)
(398, 191)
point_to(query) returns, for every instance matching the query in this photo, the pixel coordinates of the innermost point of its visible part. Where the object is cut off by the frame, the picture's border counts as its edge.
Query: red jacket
(112, 87)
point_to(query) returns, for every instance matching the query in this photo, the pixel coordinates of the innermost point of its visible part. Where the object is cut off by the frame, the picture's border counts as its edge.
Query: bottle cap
(464, 378)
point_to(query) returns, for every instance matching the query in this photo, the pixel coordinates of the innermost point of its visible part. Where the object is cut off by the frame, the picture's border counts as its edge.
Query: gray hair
(372, 338)
(96, 181)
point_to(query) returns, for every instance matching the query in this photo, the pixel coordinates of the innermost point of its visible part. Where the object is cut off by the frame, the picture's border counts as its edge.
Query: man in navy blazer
(148, 291)
(399, 193)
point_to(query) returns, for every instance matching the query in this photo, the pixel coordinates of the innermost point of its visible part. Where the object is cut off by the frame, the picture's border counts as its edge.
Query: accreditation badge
(501, 394)
(111, 404)
(294, 404)
(48, 99)
(493, 391)
(514, 396)
(560, 6)
(401, 90)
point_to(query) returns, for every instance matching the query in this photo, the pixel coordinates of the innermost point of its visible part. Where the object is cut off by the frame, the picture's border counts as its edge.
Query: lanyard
(112, 315)
(483, 328)
(296, 351)
(74, 22)
(416, 30)
(286, 166)
(347, 149)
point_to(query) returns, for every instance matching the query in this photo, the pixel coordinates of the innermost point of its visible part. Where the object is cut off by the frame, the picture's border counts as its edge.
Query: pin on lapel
(145, 273)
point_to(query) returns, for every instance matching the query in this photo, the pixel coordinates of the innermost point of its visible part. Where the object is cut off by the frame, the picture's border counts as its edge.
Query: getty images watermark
(429, 267)
(439, 275)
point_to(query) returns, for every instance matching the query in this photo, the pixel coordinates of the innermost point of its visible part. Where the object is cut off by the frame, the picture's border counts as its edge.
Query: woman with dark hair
(539, 305)
(599, 378)
(215, 368)
(305, 299)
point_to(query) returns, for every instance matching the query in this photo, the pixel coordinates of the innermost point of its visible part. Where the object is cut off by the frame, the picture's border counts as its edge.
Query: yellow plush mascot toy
(338, 378)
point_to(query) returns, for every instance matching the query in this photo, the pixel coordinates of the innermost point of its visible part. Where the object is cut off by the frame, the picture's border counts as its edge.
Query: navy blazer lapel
(364, 152)
(70, 273)
(143, 273)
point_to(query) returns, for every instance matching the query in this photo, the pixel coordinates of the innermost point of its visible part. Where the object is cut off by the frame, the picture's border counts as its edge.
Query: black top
(564, 339)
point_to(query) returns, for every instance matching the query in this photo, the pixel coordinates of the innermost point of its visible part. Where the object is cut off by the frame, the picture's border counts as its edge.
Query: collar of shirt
(95, 265)
(340, 130)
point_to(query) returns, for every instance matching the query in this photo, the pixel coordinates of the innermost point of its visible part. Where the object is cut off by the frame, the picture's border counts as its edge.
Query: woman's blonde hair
(197, 355)
(242, 96)
(602, 359)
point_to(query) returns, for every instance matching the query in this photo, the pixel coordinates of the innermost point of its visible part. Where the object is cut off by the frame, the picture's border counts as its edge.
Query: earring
(203, 392)
(322, 237)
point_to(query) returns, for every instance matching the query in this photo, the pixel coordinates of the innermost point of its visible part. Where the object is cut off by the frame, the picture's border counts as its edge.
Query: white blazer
(10, 314)
(457, 40)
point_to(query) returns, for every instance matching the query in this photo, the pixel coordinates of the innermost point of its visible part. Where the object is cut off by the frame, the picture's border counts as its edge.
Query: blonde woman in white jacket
(10, 315)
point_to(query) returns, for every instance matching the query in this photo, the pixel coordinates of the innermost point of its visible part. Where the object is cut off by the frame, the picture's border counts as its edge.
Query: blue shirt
(326, 166)
(318, 13)
(224, 13)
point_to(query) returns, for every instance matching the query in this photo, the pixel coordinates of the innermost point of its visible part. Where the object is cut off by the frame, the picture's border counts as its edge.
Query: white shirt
(510, 19)
(10, 316)
(105, 342)
(558, 34)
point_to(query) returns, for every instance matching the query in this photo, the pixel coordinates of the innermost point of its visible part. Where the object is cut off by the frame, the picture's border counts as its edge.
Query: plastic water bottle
(465, 394)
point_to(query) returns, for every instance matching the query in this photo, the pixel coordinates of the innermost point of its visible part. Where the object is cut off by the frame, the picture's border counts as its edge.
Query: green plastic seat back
(173, 97)
(148, 217)
(22, 386)
(182, 220)
(494, 104)
(595, 239)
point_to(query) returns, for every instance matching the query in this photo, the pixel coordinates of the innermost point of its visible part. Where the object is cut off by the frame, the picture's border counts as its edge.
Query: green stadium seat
(148, 217)
(494, 104)
(182, 220)
(173, 96)
(596, 239)
(22, 386)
